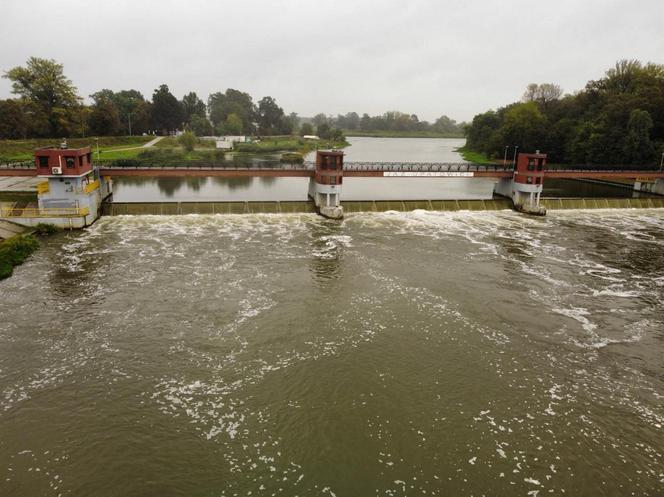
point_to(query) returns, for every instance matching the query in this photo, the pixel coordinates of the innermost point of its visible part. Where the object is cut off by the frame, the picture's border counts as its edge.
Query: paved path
(145, 145)
(19, 184)
(8, 229)
(153, 142)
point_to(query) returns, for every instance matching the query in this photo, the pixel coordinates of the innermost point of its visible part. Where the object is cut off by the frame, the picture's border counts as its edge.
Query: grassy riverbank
(275, 144)
(401, 134)
(15, 251)
(20, 150)
(474, 157)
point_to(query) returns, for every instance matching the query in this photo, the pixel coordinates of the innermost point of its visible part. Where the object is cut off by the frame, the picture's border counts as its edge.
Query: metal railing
(26, 164)
(446, 167)
(348, 166)
(6, 212)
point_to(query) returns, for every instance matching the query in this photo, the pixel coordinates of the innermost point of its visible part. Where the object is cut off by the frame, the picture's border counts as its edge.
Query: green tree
(201, 126)
(270, 116)
(192, 106)
(446, 125)
(324, 131)
(319, 119)
(50, 96)
(104, 118)
(233, 124)
(306, 129)
(187, 140)
(166, 110)
(13, 123)
(639, 149)
(220, 105)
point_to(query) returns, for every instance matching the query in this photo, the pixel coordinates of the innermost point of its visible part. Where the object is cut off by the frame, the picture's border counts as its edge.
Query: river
(419, 353)
(361, 149)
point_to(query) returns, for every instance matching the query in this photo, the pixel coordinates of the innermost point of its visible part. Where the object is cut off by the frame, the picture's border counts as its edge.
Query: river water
(419, 353)
(361, 149)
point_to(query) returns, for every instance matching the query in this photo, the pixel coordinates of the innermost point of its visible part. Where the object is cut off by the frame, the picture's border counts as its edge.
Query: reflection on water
(556, 188)
(201, 189)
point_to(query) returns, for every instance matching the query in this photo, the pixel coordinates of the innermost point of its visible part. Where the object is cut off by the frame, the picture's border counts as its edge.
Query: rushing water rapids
(390, 354)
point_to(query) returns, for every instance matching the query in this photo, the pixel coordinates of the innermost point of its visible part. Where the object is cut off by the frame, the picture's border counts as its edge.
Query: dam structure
(71, 193)
(73, 190)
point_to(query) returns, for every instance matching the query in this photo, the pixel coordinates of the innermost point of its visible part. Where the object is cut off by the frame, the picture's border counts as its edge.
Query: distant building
(227, 142)
(311, 137)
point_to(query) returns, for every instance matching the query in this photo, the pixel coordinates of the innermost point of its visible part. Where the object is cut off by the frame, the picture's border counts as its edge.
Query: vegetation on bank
(389, 124)
(474, 157)
(617, 119)
(289, 144)
(402, 134)
(21, 150)
(15, 251)
(204, 152)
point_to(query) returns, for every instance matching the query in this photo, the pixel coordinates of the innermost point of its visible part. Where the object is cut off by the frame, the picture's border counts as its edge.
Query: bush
(292, 158)
(14, 251)
(44, 229)
(187, 140)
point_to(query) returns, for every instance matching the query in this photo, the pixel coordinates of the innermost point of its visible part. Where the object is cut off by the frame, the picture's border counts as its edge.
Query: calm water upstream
(165, 189)
(389, 354)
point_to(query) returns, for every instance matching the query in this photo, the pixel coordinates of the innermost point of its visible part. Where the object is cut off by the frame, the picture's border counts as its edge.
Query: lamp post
(97, 140)
(661, 162)
(505, 156)
(516, 147)
(129, 118)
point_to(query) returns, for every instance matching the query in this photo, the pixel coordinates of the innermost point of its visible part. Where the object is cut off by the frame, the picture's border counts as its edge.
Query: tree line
(617, 119)
(48, 105)
(389, 121)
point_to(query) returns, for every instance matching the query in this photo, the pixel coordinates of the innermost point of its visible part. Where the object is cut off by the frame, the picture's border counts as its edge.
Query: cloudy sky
(428, 57)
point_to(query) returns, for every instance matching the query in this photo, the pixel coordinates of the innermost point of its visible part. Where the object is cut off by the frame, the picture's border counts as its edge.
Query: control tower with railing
(325, 185)
(72, 191)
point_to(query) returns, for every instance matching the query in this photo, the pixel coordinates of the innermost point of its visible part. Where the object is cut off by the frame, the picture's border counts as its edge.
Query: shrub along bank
(15, 251)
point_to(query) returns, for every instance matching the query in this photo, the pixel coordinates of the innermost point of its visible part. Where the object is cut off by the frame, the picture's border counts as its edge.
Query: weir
(73, 190)
(303, 207)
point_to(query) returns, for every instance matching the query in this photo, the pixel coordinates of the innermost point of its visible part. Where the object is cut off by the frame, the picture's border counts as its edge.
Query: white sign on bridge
(439, 174)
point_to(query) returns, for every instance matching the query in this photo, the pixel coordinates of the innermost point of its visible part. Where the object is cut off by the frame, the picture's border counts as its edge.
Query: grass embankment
(20, 150)
(288, 144)
(475, 157)
(401, 134)
(15, 251)
(167, 152)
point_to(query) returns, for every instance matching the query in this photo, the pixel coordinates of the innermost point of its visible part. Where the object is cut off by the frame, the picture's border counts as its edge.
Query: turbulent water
(391, 354)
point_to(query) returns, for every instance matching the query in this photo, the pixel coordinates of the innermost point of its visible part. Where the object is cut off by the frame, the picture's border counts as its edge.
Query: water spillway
(286, 207)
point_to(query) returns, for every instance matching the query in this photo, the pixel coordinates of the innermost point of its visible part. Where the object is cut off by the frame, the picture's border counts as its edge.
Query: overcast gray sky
(425, 57)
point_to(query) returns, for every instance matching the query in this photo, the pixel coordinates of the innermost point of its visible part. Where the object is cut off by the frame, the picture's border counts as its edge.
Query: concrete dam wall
(181, 208)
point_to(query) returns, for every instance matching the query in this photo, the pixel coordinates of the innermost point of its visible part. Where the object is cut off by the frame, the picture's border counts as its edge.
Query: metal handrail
(44, 212)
